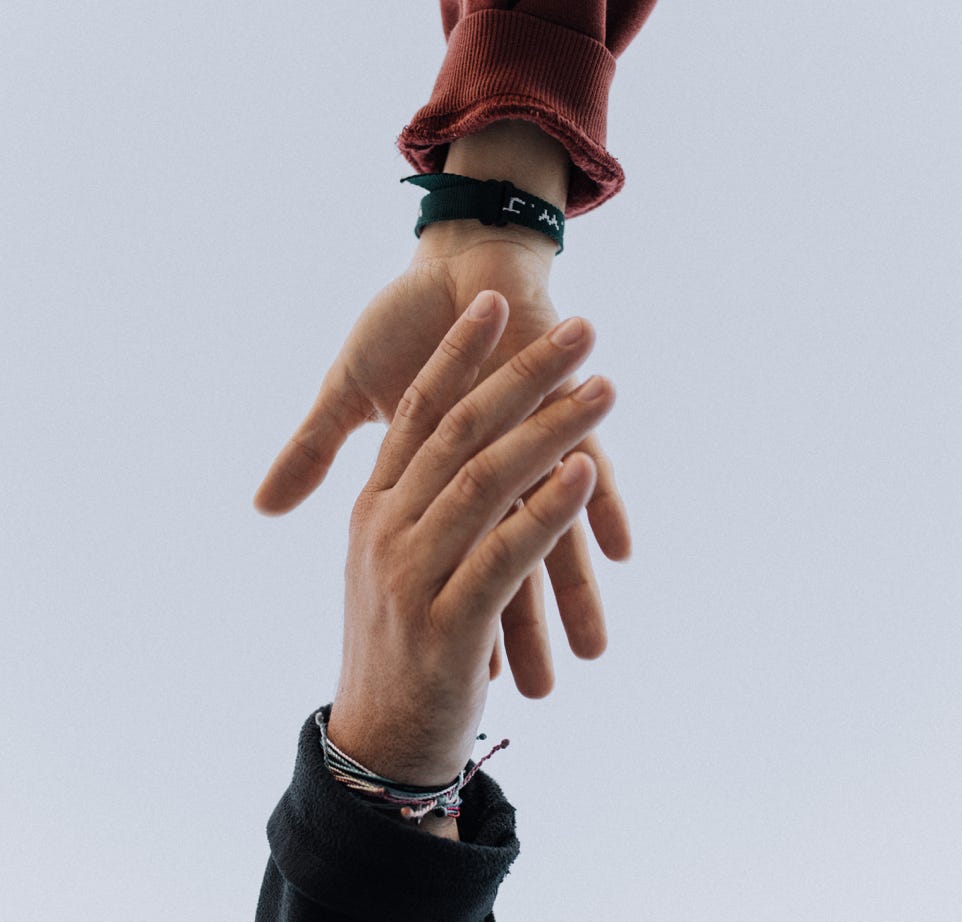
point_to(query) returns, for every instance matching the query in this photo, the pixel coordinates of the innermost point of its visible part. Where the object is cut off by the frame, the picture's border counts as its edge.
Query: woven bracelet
(493, 202)
(412, 803)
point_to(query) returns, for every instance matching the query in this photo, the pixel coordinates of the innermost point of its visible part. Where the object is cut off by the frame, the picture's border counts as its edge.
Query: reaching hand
(383, 353)
(438, 546)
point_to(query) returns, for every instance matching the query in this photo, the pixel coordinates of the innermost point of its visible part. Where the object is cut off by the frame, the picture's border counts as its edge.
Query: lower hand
(438, 546)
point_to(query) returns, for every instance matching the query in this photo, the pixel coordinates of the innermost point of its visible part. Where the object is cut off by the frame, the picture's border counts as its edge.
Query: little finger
(526, 640)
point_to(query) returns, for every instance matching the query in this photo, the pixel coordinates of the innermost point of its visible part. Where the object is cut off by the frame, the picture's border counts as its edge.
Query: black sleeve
(334, 857)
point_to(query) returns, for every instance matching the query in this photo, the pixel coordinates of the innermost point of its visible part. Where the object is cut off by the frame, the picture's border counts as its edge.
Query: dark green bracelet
(494, 202)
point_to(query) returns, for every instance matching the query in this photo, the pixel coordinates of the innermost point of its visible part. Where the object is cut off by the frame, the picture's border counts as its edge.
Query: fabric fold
(511, 63)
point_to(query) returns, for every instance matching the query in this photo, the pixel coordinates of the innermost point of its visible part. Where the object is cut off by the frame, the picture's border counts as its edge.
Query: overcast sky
(196, 201)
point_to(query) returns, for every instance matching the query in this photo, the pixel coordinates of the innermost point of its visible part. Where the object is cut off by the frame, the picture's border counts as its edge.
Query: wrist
(404, 757)
(447, 239)
(347, 767)
(514, 150)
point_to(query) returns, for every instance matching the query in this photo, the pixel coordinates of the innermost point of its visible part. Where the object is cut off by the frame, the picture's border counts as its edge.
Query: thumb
(304, 461)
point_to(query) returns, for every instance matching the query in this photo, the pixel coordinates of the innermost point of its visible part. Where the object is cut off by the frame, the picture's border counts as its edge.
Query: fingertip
(487, 304)
(487, 318)
(577, 470)
(533, 670)
(261, 500)
(619, 551)
(589, 333)
(609, 523)
(590, 648)
(267, 496)
(481, 307)
(537, 687)
(279, 493)
(267, 511)
(596, 388)
(587, 635)
(573, 333)
(607, 514)
(268, 505)
(615, 543)
(499, 301)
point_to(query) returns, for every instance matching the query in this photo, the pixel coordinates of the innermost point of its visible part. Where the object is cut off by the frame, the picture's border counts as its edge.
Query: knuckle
(562, 390)
(476, 481)
(495, 554)
(541, 517)
(307, 451)
(352, 404)
(455, 350)
(397, 584)
(549, 427)
(362, 511)
(525, 365)
(388, 557)
(459, 425)
(575, 590)
(414, 403)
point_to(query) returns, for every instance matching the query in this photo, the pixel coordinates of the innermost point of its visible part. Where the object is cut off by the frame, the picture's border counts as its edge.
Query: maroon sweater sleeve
(550, 62)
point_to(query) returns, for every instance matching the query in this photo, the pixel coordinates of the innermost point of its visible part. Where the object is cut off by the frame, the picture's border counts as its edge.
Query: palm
(404, 323)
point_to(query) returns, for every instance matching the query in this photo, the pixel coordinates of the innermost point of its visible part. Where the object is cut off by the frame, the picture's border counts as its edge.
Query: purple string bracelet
(382, 792)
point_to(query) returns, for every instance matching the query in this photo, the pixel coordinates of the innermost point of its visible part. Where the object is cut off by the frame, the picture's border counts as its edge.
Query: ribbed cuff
(501, 64)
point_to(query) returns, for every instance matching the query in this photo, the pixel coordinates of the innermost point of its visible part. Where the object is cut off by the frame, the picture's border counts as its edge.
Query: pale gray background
(776, 731)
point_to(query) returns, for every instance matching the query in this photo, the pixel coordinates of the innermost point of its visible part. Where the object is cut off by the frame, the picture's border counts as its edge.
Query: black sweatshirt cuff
(341, 855)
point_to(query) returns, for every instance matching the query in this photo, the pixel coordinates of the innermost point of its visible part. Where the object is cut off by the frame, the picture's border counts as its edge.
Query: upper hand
(388, 345)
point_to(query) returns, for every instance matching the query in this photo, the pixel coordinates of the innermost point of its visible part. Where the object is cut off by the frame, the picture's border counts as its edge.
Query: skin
(398, 332)
(438, 546)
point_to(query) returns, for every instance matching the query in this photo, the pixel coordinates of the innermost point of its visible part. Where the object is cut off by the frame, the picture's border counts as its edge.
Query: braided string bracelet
(413, 803)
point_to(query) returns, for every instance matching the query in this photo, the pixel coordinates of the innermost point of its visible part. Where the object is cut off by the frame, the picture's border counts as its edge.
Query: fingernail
(569, 332)
(571, 471)
(481, 306)
(592, 389)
